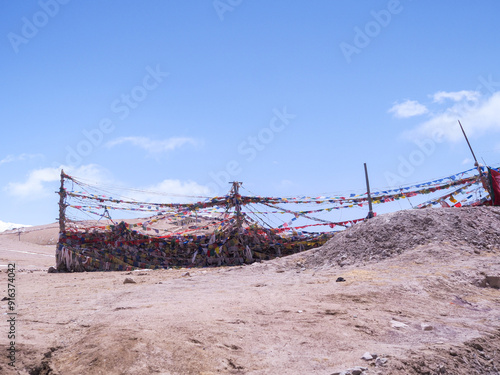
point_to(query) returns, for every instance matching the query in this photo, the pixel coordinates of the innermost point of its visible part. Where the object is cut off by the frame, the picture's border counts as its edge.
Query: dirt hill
(394, 233)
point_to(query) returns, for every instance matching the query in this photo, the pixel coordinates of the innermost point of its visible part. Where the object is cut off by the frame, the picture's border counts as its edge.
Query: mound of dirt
(394, 233)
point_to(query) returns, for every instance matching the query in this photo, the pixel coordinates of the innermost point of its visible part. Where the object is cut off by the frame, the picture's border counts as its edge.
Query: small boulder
(493, 281)
(426, 327)
(367, 356)
(129, 280)
(380, 361)
(396, 324)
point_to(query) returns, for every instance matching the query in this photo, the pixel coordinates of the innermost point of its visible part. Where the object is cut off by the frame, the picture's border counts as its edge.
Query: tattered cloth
(494, 180)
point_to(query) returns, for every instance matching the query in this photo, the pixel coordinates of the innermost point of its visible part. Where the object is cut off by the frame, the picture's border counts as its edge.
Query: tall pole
(467, 139)
(236, 201)
(476, 164)
(62, 205)
(370, 212)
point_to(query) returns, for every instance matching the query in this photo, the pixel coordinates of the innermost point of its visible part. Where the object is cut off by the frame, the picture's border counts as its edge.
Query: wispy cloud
(478, 115)
(154, 146)
(13, 158)
(408, 108)
(41, 182)
(456, 96)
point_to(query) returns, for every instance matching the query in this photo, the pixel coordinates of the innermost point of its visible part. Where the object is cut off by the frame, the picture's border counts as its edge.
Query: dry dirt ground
(420, 294)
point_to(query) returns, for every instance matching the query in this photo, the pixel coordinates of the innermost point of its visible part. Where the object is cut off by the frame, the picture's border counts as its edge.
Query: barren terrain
(420, 296)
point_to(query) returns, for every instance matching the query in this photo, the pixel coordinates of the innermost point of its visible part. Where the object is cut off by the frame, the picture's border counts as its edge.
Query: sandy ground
(432, 309)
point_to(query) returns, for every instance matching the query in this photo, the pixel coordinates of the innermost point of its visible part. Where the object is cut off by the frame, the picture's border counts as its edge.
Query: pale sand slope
(277, 317)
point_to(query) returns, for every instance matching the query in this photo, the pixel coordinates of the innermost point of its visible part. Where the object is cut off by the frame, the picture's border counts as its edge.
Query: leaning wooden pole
(476, 164)
(62, 205)
(370, 212)
(467, 139)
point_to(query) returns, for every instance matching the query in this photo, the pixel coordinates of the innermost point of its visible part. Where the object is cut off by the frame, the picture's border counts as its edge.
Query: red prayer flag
(494, 179)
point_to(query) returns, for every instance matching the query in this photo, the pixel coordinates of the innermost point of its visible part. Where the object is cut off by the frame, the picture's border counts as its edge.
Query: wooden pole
(476, 164)
(467, 139)
(236, 197)
(370, 212)
(62, 205)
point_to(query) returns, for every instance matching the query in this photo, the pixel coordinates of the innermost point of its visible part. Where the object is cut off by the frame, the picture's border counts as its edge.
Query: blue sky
(289, 97)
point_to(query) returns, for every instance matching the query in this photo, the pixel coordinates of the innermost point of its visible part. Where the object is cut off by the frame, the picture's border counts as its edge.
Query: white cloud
(154, 146)
(456, 96)
(408, 108)
(34, 184)
(477, 117)
(42, 182)
(13, 158)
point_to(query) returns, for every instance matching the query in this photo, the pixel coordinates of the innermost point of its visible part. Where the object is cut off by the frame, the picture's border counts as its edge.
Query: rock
(339, 279)
(380, 361)
(441, 369)
(129, 280)
(52, 270)
(476, 346)
(367, 356)
(426, 327)
(186, 274)
(358, 370)
(493, 281)
(396, 324)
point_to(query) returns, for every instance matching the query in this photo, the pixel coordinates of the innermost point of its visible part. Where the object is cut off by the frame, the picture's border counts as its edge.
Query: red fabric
(495, 186)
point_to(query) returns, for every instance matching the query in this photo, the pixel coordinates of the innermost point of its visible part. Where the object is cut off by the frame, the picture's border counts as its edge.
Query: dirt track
(287, 316)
